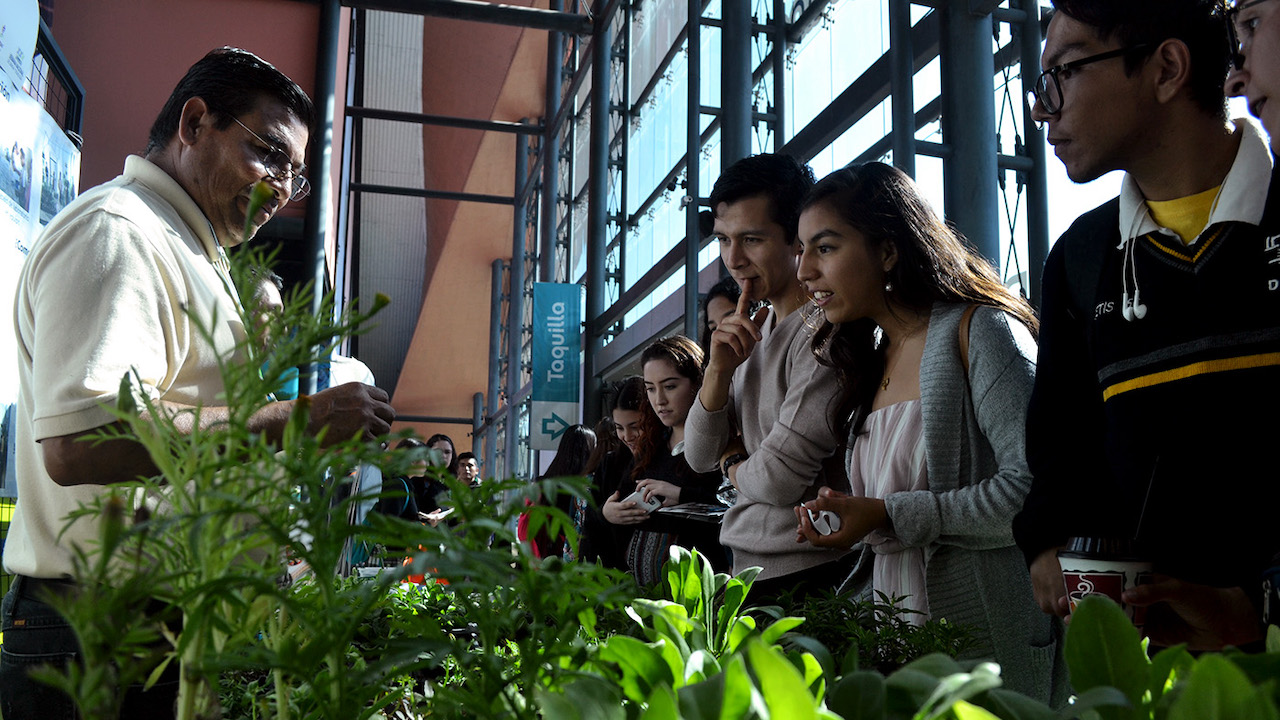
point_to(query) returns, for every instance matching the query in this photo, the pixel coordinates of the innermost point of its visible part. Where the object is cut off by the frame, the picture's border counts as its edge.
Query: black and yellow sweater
(1161, 428)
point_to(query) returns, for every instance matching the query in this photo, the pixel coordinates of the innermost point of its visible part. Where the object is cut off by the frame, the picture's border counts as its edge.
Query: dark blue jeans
(35, 635)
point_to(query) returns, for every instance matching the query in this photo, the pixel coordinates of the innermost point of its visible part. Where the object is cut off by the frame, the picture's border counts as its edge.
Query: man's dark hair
(1198, 23)
(231, 82)
(783, 179)
(467, 456)
(260, 275)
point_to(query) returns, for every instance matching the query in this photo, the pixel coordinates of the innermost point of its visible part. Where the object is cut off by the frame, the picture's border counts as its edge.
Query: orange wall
(129, 55)
(477, 71)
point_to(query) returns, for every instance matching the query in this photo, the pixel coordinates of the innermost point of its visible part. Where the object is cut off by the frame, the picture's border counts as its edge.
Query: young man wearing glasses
(1159, 344)
(128, 278)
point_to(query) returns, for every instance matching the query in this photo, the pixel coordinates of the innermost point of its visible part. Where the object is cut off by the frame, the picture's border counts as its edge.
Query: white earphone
(1132, 310)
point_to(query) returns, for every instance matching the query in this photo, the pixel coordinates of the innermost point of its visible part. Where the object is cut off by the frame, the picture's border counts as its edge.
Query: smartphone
(638, 498)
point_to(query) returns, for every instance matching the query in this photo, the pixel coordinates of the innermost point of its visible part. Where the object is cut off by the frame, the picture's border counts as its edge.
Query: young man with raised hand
(1160, 337)
(763, 414)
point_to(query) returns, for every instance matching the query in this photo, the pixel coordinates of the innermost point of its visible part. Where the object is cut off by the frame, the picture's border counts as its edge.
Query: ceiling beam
(493, 13)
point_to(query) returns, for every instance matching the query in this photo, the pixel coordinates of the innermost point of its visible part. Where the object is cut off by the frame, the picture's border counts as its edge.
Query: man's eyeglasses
(1237, 28)
(279, 167)
(1048, 88)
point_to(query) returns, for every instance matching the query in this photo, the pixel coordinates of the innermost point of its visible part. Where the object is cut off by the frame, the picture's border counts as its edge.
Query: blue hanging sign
(557, 362)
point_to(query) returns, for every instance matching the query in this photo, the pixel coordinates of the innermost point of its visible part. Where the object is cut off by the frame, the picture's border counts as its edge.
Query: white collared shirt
(1244, 191)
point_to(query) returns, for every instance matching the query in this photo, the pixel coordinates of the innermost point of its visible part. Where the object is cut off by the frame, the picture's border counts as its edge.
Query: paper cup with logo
(1103, 566)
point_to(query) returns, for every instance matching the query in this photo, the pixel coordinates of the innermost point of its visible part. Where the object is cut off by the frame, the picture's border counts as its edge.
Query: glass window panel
(657, 135)
(653, 31)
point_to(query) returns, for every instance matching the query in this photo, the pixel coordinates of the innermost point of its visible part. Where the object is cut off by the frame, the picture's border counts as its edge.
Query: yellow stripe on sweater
(1206, 367)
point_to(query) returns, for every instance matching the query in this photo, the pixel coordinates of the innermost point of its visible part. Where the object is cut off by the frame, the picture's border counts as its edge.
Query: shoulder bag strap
(964, 337)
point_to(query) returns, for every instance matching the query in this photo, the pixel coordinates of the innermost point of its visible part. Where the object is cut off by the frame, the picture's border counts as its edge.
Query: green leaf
(583, 697)
(935, 664)
(662, 706)
(1091, 700)
(859, 695)
(741, 629)
(960, 687)
(1273, 638)
(1167, 667)
(775, 631)
(781, 686)
(726, 696)
(965, 711)
(1011, 705)
(1103, 649)
(643, 665)
(908, 689)
(1219, 690)
(258, 196)
(1259, 668)
(700, 665)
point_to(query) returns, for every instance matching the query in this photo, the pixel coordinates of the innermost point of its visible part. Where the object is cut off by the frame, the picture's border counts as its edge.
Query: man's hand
(859, 516)
(434, 517)
(1046, 583)
(1203, 617)
(736, 335)
(731, 344)
(350, 410)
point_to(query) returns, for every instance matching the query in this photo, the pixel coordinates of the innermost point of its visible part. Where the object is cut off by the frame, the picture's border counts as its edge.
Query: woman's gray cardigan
(975, 453)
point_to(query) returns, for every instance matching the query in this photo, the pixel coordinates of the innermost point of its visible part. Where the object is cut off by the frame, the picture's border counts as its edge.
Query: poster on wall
(39, 175)
(19, 28)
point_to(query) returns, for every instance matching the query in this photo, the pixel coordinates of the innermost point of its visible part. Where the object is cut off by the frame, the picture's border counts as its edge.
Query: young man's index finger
(744, 300)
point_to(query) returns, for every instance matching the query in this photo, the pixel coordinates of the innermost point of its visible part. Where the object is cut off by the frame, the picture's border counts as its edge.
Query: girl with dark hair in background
(587, 519)
(605, 542)
(720, 302)
(448, 451)
(936, 359)
(577, 445)
(672, 377)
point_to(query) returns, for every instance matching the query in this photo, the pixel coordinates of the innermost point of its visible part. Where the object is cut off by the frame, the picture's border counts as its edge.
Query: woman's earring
(888, 287)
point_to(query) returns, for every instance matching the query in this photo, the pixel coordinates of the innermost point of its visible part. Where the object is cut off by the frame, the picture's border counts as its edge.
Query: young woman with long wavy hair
(936, 359)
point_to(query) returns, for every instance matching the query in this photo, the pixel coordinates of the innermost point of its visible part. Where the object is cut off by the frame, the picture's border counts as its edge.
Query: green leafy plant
(699, 655)
(1103, 651)
(875, 633)
(188, 571)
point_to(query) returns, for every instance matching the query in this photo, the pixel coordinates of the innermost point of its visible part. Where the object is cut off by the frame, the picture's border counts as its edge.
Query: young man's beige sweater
(781, 401)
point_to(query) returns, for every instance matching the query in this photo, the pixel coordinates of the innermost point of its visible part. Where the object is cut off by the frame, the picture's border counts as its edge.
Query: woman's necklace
(889, 373)
(902, 348)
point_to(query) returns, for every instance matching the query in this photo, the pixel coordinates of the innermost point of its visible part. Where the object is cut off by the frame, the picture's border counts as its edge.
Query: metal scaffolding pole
(550, 151)
(515, 306)
(779, 74)
(902, 84)
(477, 425)
(495, 369)
(1037, 181)
(735, 83)
(597, 212)
(972, 195)
(692, 172)
(316, 222)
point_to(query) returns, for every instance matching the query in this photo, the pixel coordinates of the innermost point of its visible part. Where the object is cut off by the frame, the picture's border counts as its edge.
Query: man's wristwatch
(730, 461)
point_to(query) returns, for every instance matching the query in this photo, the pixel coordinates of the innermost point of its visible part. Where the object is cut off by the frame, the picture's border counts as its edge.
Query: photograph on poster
(15, 174)
(58, 186)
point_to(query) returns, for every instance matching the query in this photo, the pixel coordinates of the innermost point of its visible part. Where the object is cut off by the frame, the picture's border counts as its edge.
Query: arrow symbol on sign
(548, 426)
